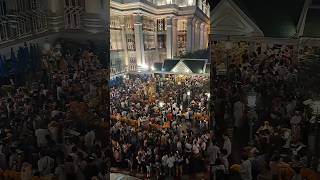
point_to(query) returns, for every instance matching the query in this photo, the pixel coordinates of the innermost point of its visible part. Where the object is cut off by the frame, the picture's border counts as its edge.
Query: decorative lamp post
(252, 98)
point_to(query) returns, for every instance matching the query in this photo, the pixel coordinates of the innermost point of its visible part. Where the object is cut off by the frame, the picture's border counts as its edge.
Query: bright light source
(124, 76)
(188, 93)
(208, 95)
(161, 104)
(152, 68)
(190, 2)
(145, 66)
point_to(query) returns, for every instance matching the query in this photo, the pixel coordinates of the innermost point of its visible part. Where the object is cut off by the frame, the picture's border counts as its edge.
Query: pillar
(124, 43)
(56, 15)
(169, 38)
(189, 34)
(94, 18)
(174, 36)
(197, 36)
(156, 45)
(193, 36)
(138, 33)
(202, 36)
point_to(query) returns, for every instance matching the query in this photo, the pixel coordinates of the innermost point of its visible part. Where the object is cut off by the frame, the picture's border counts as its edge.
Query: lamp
(145, 66)
(161, 104)
(188, 93)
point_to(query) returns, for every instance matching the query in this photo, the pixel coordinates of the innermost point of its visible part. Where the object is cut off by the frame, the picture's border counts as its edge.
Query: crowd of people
(178, 106)
(56, 127)
(271, 130)
(261, 100)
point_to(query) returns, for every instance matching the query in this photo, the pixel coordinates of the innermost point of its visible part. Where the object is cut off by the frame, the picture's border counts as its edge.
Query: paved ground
(116, 171)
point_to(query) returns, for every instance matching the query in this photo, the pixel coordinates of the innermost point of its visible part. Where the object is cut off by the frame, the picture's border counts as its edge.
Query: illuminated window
(161, 24)
(130, 42)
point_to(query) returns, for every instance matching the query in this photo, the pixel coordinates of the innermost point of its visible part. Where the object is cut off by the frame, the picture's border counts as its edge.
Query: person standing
(212, 154)
(245, 168)
(226, 144)
(295, 127)
(238, 111)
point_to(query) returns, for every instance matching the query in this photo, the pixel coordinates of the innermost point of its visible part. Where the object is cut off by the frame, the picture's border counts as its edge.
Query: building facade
(37, 21)
(143, 32)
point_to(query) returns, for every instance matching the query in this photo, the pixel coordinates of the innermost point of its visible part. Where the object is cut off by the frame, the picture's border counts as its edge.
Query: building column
(156, 44)
(202, 36)
(94, 18)
(206, 36)
(124, 43)
(197, 36)
(194, 29)
(174, 37)
(138, 33)
(189, 34)
(55, 15)
(169, 38)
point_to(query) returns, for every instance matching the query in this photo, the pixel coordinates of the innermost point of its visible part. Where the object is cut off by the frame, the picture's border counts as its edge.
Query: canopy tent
(183, 66)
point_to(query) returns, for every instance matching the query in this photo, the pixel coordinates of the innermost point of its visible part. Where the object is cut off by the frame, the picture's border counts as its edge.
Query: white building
(143, 32)
(48, 20)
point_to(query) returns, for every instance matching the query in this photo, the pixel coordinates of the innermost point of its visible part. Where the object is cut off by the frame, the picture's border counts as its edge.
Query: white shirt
(245, 170)
(41, 136)
(227, 145)
(164, 160)
(45, 165)
(89, 138)
(59, 92)
(170, 161)
(195, 149)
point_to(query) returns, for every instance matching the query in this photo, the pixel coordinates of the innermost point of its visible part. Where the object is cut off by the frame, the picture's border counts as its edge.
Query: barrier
(14, 175)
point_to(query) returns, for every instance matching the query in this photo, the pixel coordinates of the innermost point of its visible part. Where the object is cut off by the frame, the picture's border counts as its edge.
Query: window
(23, 19)
(149, 41)
(130, 42)
(182, 26)
(73, 10)
(161, 41)
(161, 24)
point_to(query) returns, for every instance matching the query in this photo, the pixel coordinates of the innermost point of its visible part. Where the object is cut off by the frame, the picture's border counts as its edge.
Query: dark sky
(211, 3)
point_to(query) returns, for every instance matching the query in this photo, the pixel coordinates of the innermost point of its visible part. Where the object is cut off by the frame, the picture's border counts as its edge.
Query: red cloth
(170, 116)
